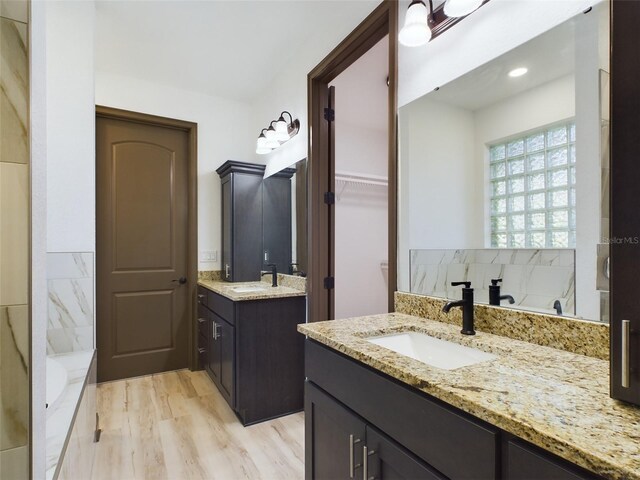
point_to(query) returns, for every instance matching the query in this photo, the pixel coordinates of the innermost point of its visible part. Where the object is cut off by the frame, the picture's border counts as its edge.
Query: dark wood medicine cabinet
(625, 178)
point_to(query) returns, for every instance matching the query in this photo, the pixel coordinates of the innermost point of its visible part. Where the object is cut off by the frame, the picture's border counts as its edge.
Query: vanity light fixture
(272, 137)
(461, 8)
(416, 31)
(518, 72)
(421, 24)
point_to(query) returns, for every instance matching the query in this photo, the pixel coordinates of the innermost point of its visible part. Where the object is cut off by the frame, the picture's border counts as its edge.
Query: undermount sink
(432, 351)
(248, 289)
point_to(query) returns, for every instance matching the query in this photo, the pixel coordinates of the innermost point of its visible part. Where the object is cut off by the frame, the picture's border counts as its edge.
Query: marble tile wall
(75, 460)
(70, 282)
(14, 241)
(535, 278)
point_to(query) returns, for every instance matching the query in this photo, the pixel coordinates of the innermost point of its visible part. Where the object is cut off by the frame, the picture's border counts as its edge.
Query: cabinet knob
(201, 320)
(201, 350)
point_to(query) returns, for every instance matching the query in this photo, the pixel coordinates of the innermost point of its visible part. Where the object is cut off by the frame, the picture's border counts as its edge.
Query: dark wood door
(386, 460)
(246, 242)
(334, 437)
(143, 311)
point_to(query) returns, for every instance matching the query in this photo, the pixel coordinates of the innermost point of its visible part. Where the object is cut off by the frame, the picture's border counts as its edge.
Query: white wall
(361, 223)
(223, 134)
(439, 188)
(70, 126)
(38, 118)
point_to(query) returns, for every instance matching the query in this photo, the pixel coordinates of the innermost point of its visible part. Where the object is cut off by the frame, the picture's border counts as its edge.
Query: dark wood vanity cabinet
(338, 438)
(254, 354)
(357, 417)
(256, 220)
(625, 201)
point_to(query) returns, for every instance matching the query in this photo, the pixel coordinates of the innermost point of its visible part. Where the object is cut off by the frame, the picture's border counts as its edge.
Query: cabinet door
(226, 343)
(276, 222)
(227, 228)
(213, 349)
(526, 463)
(247, 227)
(386, 460)
(625, 219)
(334, 437)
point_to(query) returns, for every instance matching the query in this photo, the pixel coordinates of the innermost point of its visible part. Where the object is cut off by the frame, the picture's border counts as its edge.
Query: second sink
(248, 289)
(432, 351)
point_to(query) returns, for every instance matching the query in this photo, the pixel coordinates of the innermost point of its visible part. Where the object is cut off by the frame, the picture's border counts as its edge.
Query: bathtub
(56, 383)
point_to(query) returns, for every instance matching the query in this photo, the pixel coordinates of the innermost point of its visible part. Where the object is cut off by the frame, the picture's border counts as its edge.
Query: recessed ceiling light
(518, 72)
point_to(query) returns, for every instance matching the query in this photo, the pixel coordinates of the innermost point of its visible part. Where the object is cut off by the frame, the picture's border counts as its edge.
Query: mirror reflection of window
(532, 189)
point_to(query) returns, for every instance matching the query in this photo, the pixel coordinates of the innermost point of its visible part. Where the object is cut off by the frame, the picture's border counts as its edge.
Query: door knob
(181, 280)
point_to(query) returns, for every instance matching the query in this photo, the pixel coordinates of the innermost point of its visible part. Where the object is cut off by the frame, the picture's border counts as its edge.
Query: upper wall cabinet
(256, 220)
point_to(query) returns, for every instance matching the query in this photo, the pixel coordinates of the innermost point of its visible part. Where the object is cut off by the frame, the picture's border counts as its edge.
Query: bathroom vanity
(531, 412)
(248, 344)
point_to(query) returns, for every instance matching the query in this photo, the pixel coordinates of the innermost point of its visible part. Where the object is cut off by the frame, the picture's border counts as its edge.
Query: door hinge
(329, 114)
(329, 283)
(329, 198)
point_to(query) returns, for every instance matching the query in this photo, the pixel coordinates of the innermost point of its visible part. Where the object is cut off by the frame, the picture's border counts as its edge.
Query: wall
(439, 188)
(38, 118)
(14, 242)
(288, 91)
(361, 218)
(68, 151)
(223, 134)
(70, 127)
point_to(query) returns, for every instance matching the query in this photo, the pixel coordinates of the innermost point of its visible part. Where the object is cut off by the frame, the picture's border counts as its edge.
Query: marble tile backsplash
(536, 278)
(70, 302)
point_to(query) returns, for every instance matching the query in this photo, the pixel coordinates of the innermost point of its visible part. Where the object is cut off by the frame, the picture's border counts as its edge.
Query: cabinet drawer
(528, 463)
(202, 321)
(437, 434)
(202, 295)
(221, 306)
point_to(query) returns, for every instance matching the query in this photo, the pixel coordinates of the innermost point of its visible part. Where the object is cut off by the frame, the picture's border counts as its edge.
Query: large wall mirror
(504, 175)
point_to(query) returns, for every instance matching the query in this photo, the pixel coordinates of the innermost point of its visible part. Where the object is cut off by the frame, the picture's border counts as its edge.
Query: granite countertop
(226, 289)
(551, 398)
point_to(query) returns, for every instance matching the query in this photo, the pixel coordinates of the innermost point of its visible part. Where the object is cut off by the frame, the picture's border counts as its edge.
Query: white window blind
(532, 182)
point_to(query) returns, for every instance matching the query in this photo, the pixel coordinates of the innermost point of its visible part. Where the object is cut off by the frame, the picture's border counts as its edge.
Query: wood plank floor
(176, 426)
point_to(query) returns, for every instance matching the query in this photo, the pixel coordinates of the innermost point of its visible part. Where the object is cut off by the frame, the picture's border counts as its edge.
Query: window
(532, 182)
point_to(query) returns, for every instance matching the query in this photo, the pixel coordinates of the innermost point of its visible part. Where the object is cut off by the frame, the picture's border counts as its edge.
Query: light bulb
(461, 8)
(282, 130)
(261, 145)
(415, 31)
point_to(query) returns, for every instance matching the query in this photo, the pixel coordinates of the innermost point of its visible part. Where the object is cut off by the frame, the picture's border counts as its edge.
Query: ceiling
(230, 49)
(547, 57)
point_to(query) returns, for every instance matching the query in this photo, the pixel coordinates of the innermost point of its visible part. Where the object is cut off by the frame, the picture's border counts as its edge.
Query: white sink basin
(432, 351)
(248, 289)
